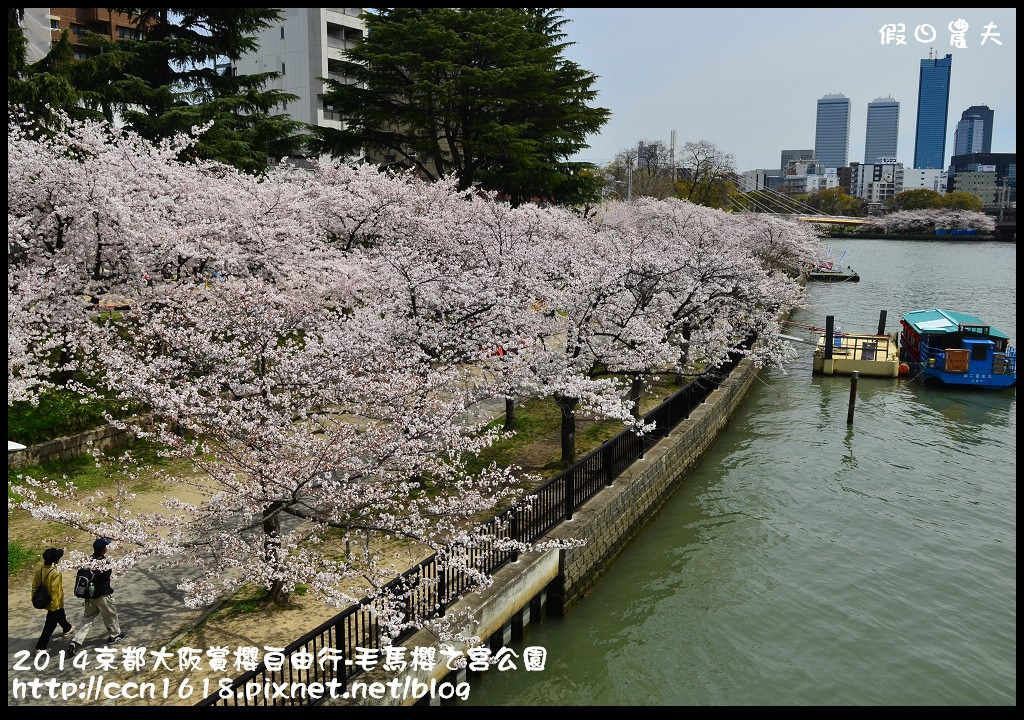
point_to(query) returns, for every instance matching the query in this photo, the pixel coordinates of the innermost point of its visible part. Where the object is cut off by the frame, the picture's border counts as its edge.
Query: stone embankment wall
(615, 516)
(70, 446)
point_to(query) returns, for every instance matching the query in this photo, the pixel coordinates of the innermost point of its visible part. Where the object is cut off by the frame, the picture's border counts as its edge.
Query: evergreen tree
(170, 81)
(480, 93)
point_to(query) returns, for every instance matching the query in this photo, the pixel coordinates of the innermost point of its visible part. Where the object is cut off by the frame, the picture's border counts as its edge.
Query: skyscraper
(974, 131)
(832, 131)
(932, 112)
(882, 131)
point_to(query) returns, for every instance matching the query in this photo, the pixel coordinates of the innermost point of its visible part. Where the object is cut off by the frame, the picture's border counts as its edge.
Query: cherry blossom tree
(311, 430)
(96, 214)
(926, 221)
(713, 278)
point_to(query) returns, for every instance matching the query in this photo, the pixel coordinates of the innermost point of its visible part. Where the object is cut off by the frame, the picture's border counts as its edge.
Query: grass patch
(58, 412)
(18, 556)
(84, 473)
(248, 599)
(535, 421)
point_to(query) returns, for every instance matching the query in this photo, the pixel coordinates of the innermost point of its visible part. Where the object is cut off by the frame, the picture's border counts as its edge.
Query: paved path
(150, 608)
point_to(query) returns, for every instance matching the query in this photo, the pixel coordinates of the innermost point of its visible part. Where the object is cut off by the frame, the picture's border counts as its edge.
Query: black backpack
(83, 583)
(41, 596)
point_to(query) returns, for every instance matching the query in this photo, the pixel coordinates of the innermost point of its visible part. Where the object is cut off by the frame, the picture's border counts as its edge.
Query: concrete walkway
(150, 608)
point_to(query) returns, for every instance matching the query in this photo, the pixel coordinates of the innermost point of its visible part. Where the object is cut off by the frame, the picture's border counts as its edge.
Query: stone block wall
(615, 516)
(70, 446)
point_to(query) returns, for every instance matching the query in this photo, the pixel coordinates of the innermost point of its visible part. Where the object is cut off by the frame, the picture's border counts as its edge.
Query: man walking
(50, 576)
(100, 602)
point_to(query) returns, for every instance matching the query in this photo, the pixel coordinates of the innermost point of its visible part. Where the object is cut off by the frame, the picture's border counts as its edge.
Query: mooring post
(881, 323)
(853, 396)
(829, 322)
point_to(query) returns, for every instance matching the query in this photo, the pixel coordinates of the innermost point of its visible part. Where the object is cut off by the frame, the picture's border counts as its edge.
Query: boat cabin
(957, 348)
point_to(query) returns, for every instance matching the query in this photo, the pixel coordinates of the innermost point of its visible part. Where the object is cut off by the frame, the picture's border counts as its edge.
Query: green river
(806, 562)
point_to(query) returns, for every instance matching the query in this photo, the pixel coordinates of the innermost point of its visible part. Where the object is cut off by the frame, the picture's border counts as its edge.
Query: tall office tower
(832, 131)
(974, 131)
(932, 111)
(883, 130)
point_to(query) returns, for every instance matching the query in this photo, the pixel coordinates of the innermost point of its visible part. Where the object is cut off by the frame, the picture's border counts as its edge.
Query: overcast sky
(749, 80)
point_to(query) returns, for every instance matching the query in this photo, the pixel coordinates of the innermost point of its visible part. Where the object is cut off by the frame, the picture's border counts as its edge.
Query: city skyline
(748, 80)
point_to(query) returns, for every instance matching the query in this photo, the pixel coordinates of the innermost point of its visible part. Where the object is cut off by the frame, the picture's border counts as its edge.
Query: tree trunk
(272, 553)
(510, 414)
(65, 374)
(636, 385)
(684, 356)
(568, 408)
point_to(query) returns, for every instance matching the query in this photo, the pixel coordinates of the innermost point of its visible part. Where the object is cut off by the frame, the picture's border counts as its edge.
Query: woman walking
(50, 576)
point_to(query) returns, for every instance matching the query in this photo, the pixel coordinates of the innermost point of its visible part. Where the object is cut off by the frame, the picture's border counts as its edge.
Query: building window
(54, 24)
(282, 68)
(129, 33)
(78, 29)
(285, 106)
(282, 32)
(80, 55)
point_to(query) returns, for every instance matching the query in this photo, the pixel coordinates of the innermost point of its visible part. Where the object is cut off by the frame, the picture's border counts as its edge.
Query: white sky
(749, 79)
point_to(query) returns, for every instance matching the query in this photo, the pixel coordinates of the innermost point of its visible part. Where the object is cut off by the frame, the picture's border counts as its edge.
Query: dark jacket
(101, 580)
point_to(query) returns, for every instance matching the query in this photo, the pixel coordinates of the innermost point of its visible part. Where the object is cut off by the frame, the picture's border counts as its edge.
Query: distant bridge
(832, 220)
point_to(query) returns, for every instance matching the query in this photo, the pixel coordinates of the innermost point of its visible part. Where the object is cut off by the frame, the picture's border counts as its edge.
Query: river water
(808, 563)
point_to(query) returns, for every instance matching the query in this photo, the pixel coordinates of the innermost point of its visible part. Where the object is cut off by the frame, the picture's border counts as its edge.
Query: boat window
(979, 351)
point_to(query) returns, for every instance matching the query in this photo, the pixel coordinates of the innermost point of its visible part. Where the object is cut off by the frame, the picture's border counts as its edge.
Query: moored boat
(831, 270)
(828, 275)
(957, 349)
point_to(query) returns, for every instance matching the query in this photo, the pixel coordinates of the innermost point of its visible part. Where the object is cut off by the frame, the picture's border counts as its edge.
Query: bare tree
(708, 173)
(652, 170)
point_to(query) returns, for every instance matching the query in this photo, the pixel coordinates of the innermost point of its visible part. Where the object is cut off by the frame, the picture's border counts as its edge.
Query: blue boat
(957, 349)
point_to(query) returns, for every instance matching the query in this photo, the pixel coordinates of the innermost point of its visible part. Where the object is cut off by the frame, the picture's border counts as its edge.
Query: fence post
(442, 588)
(513, 530)
(608, 461)
(568, 494)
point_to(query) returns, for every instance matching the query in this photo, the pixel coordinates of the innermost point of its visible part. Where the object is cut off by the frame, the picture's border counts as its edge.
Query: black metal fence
(428, 589)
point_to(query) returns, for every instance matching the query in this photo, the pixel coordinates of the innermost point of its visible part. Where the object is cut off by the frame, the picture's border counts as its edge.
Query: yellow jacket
(54, 584)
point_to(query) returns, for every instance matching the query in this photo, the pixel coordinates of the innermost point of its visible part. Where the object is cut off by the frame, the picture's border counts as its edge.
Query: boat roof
(936, 322)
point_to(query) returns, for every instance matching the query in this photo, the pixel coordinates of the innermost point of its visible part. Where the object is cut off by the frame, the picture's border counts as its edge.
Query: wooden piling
(853, 397)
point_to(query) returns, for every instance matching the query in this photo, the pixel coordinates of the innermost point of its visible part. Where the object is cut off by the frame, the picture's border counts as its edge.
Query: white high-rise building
(969, 136)
(307, 44)
(875, 183)
(925, 179)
